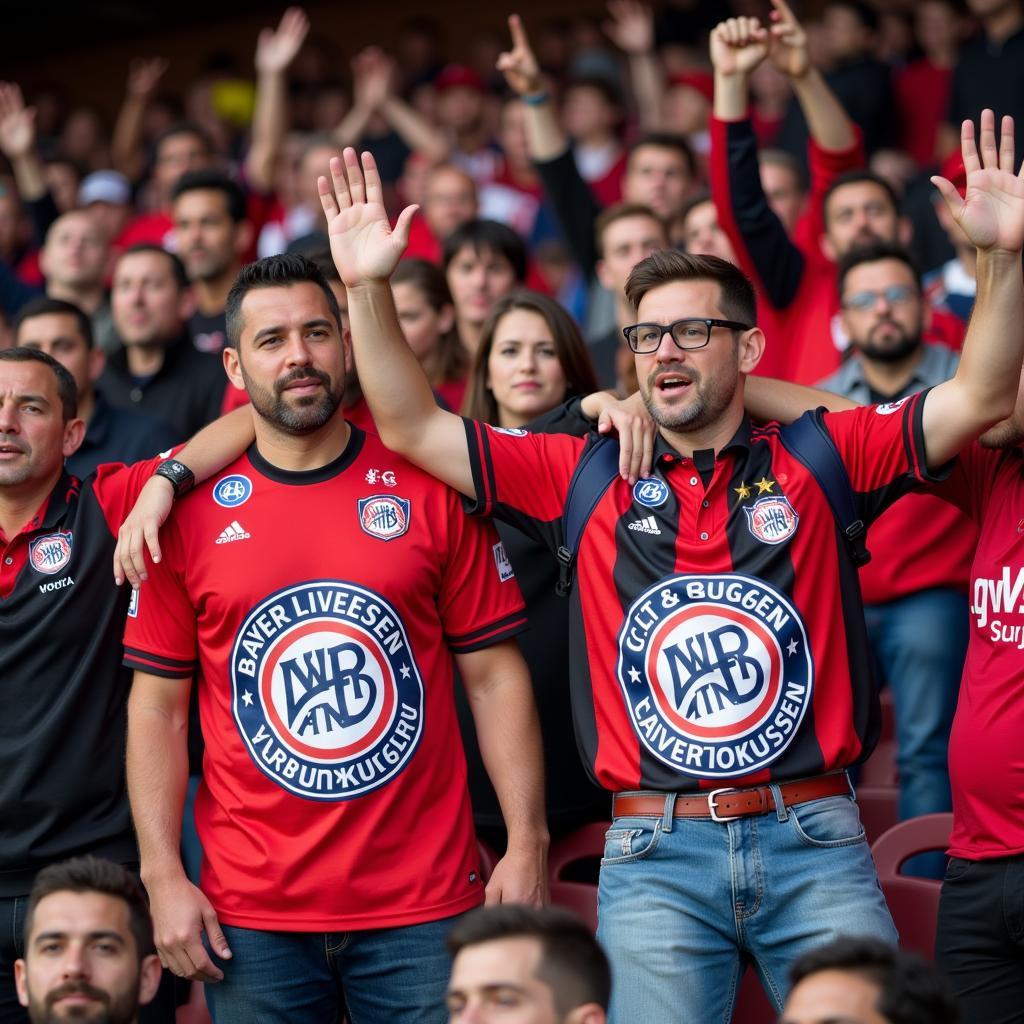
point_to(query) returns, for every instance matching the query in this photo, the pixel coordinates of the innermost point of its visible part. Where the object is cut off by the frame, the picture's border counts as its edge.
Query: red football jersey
(986, 747)
(318, 612)
(718, 635)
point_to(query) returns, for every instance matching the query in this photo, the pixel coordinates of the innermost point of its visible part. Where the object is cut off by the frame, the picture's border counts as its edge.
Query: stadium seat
(879, 809)
(913, 902)
(586, 843)
(752, 1005)
(194, 1011)
(488, 858)
(880, 767)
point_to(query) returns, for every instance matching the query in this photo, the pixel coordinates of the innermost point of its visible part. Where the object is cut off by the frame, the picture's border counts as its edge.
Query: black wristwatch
(182, 478)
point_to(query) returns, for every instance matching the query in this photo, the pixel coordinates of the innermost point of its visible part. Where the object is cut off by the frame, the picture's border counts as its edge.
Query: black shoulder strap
(808, 441)
(597, 468)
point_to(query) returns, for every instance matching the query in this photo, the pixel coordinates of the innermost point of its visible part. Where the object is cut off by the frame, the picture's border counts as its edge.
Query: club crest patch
(888, 408)
(232, 491)
(384, 516)
(326, 693)
(771, 520)
(510, 431)
(716, 673)
(650, 492)
(51, 553)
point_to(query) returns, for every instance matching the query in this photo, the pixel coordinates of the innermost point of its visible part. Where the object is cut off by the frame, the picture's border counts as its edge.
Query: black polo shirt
(118, 435)
(186, 393)
(64, 690)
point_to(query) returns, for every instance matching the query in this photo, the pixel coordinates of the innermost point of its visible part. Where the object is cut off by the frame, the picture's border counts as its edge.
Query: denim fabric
(685, 904)
(382, 976)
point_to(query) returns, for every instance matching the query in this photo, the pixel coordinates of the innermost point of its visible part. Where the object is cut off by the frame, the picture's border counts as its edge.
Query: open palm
(364, 245)
(991, 213)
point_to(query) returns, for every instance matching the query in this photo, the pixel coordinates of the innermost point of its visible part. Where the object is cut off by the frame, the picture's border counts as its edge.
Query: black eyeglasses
(688, 334)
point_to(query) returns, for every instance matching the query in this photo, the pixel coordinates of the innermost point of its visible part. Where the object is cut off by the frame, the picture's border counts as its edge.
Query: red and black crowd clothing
(716, 623)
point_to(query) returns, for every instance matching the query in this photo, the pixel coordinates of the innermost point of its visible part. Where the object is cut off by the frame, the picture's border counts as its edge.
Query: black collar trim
(301, 477)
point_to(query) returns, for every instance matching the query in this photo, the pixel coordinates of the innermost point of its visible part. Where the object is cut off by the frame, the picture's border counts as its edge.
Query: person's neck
(944, 57)
(510, 420)
(470, 139)
(212, 294)
(87, 299)
(714, 435)
(296, 453)
(469, 335)
(1000, 25)
(19, 503)
(146, 360)
(889, 379)
(597, 140)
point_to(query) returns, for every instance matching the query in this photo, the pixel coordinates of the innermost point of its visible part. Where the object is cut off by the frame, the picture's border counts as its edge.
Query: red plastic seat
(879, 809)
(194, 1011)
(488, 858)
(586, 843)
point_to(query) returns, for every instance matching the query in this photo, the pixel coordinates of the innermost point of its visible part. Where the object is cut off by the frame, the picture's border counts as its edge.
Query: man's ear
(350, 357)
(245, 232)
(97, 363)
(74, 435)
(149, 978)
(186, 304)
(20, 982)
(751, 349)
(232, 366)
(905, 231)
(588, 1013)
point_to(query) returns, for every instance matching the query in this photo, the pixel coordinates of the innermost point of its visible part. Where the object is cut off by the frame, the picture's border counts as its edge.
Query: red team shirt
(986, 746)
(717, 623)
(318, 612)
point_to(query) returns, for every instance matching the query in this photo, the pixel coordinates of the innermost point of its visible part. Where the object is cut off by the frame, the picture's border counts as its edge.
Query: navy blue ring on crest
(232, 491)
(650, 492)
(326, 692)
(716, 672)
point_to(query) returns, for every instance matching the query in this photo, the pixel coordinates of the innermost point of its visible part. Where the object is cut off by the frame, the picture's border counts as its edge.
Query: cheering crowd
(578, 434)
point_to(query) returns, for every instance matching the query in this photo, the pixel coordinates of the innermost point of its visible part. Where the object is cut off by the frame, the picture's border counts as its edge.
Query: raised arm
(275, 51)
(366, 250)
(143, 78)
(984, 388)
(766, 398)
(630, 27)
(18, 142)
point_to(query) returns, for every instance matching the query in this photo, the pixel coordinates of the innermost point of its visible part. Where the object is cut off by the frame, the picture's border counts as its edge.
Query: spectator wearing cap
(75, 261)
(461, 115)
(686, 106)
(107, 195)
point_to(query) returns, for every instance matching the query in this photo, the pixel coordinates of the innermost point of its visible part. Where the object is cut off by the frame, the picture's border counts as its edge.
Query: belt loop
(670, 809)
(849, 785)
(781, 810)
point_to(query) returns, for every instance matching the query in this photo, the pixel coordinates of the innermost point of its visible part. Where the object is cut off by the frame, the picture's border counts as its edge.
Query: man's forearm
(544, 136)
(827, 121)
(415, 130)
(765, 399)
(157, 772)
(218, 444)
(730, 97)
(268, 127)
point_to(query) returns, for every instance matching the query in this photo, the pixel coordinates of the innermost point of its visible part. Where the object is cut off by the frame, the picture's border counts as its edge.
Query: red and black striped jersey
(716, 623)
(319, 612)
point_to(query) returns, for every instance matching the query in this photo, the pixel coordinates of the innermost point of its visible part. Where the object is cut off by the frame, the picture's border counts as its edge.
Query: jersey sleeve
(970, 483)
(522, 478)
(882, 447)
(480, 602)
(117, 487)
(160, 636)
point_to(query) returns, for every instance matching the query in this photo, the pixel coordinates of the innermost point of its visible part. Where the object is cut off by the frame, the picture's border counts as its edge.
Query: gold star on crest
(764, 486)
(743, 491)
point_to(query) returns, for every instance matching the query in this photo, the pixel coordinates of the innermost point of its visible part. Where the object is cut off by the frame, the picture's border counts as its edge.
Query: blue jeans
(382, 976)
(684, 904)
(920, 643)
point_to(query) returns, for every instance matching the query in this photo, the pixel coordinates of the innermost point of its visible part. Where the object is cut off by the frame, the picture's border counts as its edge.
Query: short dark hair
(177, 267)
(45, 306)
(274, 272)
(738, 300)
(67, 391)
(910, 991)
(93, 874)
(572, 963)
(859, 176)
(665, 140)
(487, 234)
(183, 128)
(780, 158)
(208, 180)
(864, 12)
(620, 211)
(872, 253)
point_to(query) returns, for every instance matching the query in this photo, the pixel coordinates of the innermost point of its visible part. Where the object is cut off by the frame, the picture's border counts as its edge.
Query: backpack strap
(810, 443)
(597, 468)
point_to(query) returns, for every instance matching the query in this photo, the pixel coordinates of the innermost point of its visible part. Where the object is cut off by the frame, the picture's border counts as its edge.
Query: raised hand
(738, 45)
(519, 65)
(373, 74)
(991, 213)
(787, 42)
(144, 76)
(364, 245)
(17, 123)
(630, 26)
(275, 50)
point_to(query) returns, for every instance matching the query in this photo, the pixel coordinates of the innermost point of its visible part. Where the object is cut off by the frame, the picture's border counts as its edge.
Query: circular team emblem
(650, 492)
(51, 553)
(716, 673)
(384, 516)
(511, 431)
(771, 520)
(232, 491)
(325, 690)
(888, 408)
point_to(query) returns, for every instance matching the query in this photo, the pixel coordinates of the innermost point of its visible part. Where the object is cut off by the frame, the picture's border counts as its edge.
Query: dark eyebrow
(41, 399)
(101, 934)
(278, 329)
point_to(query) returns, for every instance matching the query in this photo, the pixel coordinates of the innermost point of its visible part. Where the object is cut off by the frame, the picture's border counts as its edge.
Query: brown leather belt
(728, 804)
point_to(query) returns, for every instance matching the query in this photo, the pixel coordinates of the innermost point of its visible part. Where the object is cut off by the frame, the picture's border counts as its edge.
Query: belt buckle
(712, 807)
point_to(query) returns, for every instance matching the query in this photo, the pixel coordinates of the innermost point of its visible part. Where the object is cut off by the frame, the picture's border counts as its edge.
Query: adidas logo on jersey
(234, 531)
(646, 525)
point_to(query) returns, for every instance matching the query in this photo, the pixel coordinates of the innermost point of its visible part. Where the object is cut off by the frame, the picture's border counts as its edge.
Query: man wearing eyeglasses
(720, 667)
(916, 604)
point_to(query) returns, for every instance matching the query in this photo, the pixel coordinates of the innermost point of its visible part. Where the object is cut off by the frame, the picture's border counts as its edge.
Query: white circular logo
(232, 491)
(325, 690)
(716, 673)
